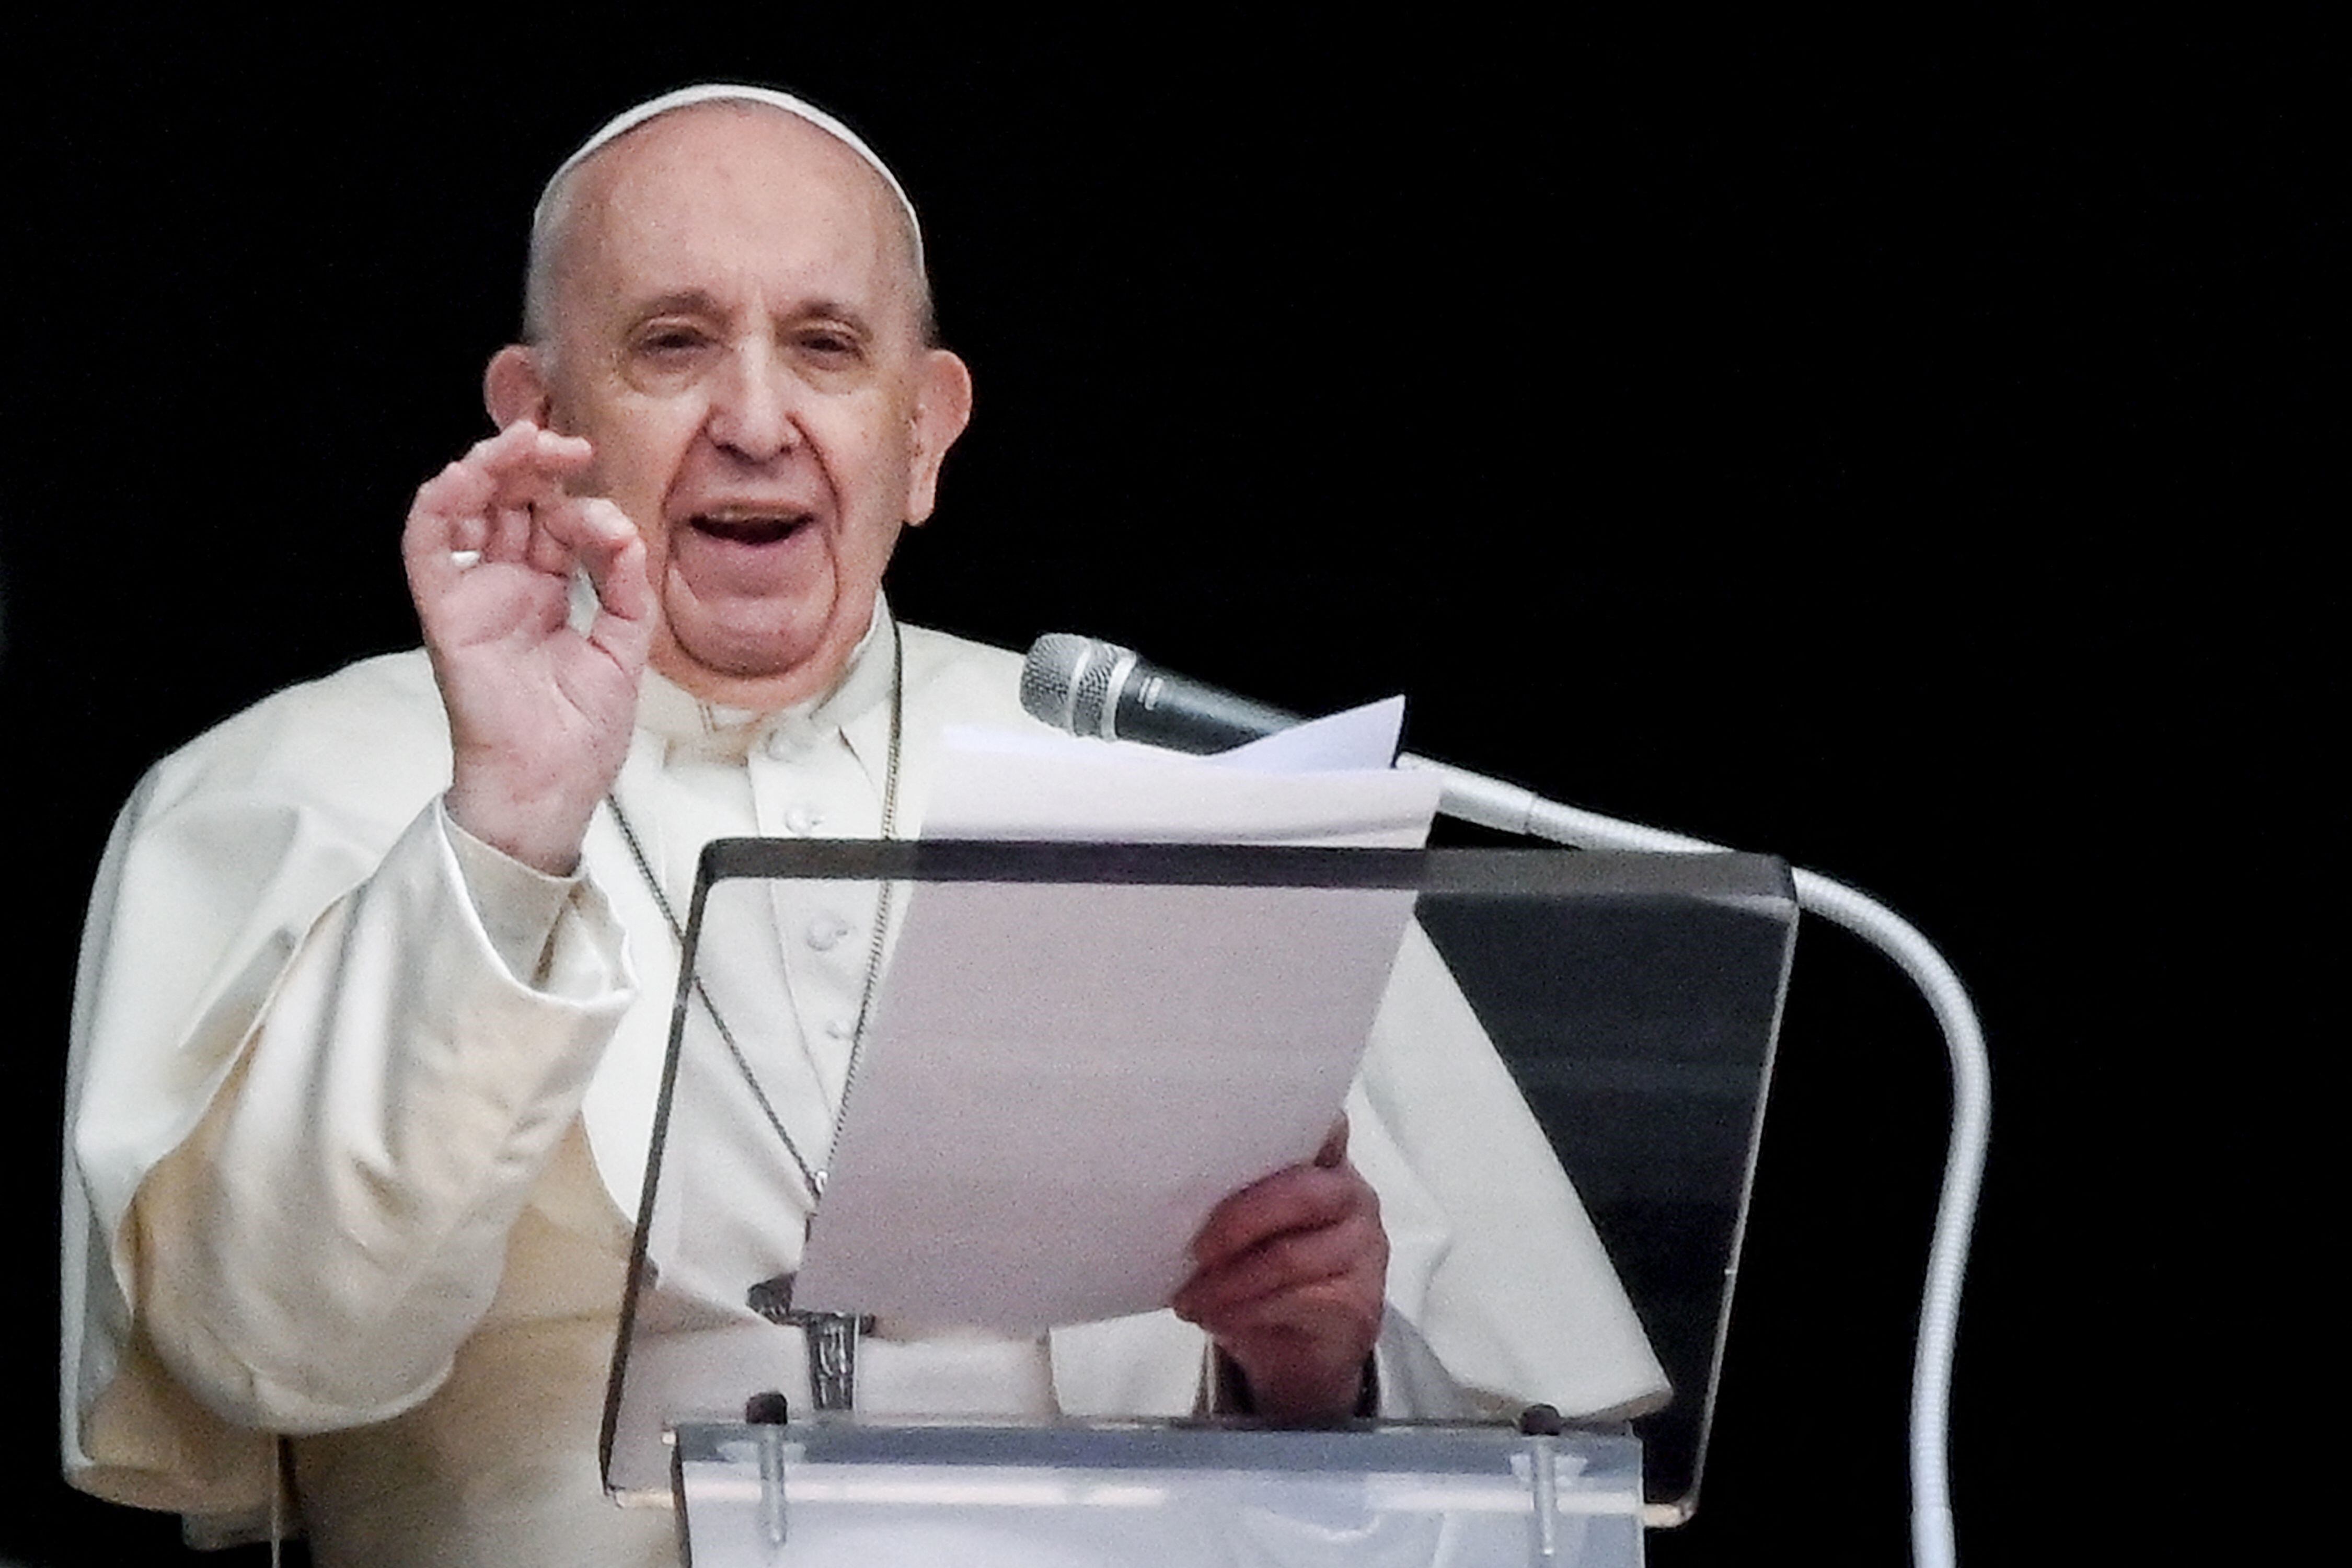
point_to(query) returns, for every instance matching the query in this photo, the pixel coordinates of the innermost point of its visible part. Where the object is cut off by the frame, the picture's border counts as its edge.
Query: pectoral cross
(831, 1341)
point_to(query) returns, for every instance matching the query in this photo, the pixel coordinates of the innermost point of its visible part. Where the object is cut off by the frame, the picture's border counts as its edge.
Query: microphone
(1099, 689)
(1105, 691)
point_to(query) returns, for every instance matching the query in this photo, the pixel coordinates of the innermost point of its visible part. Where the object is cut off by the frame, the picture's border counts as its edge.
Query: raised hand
(539, 715)
(1291, 1284)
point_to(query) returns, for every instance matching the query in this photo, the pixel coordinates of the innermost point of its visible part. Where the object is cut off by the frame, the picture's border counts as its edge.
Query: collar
(857, 709)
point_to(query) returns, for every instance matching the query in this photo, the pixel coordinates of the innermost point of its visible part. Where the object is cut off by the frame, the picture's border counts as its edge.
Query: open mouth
(748, 528)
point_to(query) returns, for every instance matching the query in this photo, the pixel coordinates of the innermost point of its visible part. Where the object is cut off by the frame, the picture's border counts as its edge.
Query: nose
(753, 406)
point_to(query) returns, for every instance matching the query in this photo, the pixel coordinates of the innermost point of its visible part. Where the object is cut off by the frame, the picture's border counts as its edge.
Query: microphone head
(1069, 681)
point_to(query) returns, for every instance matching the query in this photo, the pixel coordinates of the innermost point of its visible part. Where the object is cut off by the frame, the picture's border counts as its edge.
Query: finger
(599, 536)
(1354, 1235)
(1350, 1258)
(551, 538)
(624, 626)
(480, 503)
(528, 468)
(509, 529)
(1336, 1311)
(528, 474)
(588, 531)
(613, 552)
(533, 487)
(529, 459)
(1301, 1197)
(445, 518)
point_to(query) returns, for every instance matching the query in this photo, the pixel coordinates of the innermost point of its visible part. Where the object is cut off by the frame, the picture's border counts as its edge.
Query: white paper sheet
(1061, 1082)
(1325, 783)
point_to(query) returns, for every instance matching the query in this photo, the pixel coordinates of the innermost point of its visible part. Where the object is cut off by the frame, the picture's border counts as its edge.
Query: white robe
(358, 1112)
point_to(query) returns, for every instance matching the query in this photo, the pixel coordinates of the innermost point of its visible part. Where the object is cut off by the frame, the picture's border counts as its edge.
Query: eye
(669, 340)
(833, 345)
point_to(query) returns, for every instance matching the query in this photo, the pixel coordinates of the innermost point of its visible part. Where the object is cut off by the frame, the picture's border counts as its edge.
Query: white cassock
(358, 1114)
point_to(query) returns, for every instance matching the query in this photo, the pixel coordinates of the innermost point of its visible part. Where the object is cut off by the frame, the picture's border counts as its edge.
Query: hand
(540, 716)
(1291, 1283)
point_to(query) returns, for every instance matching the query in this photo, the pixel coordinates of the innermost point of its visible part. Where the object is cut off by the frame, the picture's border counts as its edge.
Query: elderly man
(361, 1077)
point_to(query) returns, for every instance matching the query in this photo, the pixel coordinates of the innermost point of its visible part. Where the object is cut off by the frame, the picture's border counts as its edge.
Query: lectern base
(828, 1495)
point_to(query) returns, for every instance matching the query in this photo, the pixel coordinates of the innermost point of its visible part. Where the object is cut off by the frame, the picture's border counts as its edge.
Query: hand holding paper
(1290, 1285)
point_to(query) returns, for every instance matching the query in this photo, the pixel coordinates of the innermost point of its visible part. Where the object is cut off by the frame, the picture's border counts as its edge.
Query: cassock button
(800, 819)
(792, 740)
(838, 1029)
(826, 930)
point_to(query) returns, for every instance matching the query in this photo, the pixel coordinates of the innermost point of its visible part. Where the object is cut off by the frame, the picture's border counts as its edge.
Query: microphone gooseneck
(1092, 687)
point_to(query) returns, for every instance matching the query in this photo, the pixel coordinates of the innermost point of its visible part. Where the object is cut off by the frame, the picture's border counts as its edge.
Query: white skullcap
(629, 119)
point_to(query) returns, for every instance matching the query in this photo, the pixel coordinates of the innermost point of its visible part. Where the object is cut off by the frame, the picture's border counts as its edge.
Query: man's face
(736, 331)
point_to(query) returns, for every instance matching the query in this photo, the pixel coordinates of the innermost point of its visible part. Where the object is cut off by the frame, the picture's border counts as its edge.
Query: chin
(743, 655)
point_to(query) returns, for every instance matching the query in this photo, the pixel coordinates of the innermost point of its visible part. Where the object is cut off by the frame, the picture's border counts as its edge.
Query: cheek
(639, 480)
(657, 537)
(883, 461)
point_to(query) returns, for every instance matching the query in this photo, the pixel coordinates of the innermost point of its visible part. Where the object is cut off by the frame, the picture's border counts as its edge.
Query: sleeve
(1500, 1293)
(314, 1080)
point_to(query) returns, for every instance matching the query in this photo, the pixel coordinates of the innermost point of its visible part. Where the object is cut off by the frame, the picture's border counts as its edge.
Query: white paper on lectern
(1062, 1081)
(1326, 783)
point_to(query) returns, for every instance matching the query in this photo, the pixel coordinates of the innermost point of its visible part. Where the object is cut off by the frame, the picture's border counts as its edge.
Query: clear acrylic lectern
(1633, 1000)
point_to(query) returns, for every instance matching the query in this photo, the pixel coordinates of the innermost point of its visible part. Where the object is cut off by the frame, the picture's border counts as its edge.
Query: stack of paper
(1061, 1081)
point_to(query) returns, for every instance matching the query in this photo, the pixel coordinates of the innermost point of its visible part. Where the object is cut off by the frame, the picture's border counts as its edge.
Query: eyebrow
(701, 301)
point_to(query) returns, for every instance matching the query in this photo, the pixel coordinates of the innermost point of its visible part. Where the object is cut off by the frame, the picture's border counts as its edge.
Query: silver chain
(812, 1177)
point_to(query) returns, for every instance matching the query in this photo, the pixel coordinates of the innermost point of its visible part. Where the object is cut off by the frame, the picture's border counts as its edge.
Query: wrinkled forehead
(550, 210)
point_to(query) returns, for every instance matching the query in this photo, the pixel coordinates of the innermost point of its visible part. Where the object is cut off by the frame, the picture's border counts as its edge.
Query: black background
(1899, 453)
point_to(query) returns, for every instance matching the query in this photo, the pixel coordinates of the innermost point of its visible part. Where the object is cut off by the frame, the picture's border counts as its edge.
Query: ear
(514, 387)
(942, 408)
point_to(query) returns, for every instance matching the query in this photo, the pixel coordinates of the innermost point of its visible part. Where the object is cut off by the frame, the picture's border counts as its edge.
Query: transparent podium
(847, 1496)
(1625, 1006)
